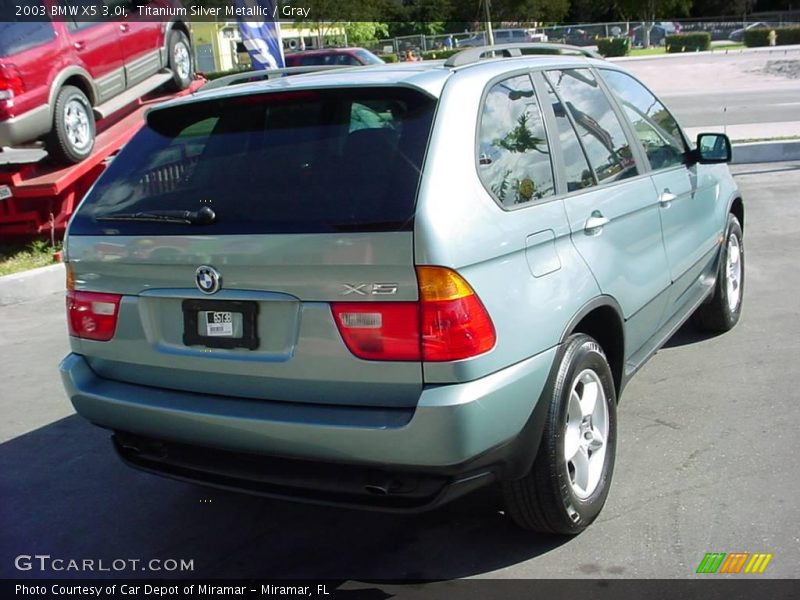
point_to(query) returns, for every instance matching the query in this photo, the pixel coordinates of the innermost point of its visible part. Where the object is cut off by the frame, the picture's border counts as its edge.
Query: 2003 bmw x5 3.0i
(387, 286)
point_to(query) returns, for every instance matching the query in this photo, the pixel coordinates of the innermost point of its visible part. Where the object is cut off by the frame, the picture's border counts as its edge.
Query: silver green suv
(385, 287)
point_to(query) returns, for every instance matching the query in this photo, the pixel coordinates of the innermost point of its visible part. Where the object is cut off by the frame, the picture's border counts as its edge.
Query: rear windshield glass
(20, 36)
(306, 161)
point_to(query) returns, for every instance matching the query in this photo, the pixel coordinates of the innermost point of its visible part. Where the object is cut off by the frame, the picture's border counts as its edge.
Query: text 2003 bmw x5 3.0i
(386, 286)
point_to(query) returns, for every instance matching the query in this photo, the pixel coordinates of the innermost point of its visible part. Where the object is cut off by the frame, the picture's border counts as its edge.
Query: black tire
(545, 499)
(718, 315)
(71, 139)
(181, 74)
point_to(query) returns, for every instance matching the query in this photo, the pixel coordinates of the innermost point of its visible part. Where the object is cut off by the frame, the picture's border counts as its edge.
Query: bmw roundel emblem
(207, 279)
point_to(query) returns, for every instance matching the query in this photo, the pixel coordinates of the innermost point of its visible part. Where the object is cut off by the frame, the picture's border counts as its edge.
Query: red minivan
(58, 76)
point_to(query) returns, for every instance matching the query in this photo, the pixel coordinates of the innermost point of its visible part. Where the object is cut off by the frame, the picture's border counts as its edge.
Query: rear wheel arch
(737, 210)
(72, 136)
(177, 26)
(179, 59)
(83, 85)
(77, 77)
(173, 26)
(722, 309)
(601, 319)
(567, 484)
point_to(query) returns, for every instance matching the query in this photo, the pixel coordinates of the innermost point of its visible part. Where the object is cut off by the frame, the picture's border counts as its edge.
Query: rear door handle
(79, 45)
(123, 27)
(595, 223)
(666, 198)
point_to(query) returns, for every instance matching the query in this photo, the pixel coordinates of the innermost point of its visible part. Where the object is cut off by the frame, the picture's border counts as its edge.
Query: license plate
(5, 192)
(220, 323)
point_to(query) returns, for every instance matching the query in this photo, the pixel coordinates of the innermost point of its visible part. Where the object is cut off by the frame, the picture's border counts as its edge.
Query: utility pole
(489, 32)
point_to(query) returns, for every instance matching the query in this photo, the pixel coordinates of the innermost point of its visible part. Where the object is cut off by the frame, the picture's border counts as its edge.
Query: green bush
(760, 37)
(688, 42)
(614, 46)
(788, 35)
(756, 37)
(389, 58)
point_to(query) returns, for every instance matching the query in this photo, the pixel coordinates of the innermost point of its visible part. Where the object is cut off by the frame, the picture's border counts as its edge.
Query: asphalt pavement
(751, 87)
(705, 463)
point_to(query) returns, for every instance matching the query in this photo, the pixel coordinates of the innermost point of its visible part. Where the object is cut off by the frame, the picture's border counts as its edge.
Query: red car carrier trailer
(37, 199)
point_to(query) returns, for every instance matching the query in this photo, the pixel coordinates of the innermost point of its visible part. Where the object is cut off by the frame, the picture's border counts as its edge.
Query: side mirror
(712, 148)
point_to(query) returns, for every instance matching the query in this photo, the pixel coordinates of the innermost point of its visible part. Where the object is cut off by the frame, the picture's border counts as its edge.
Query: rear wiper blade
(203, 216)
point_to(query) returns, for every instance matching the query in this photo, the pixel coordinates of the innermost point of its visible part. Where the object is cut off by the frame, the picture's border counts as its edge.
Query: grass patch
(648, 51)
(15, 258)
(731, 46)
(659, 50)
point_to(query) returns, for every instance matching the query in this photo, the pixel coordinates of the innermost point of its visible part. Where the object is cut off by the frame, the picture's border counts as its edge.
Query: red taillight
(379, 330)
(92, 315)
(454, 324)
(11, 83)
(448, 323)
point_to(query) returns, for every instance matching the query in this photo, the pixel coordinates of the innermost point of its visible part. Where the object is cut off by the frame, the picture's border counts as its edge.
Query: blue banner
(260, 33)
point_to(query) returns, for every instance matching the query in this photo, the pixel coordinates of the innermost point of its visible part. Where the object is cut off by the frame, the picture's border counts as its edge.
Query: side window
(307, 61)
(346, 59)
(74, 25)
(598, 127)
(576, 167)
(18, 36)
(513, 154)
(655, 127)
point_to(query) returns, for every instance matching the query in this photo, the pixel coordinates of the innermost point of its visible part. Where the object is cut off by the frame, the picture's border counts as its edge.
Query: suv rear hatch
(289, 201)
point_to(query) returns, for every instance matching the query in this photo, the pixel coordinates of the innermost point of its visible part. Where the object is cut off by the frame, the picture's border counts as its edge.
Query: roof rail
(473, 55)
(252, 76)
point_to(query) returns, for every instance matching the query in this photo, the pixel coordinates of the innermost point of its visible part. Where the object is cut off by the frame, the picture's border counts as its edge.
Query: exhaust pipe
(140, 448)
(387, 486)
(377, 490)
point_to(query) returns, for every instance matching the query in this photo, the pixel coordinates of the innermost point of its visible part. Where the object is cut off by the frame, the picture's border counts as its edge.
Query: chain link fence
(586, 34)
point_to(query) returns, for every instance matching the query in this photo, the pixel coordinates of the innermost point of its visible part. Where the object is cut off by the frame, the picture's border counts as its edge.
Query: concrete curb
(777, 50)
(761, 152)
(31, 285)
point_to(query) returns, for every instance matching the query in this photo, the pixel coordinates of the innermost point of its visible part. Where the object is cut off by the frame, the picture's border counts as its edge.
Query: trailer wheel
(72, 137)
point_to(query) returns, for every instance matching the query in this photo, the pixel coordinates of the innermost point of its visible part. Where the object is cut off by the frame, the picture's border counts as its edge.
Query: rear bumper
(25, 128)
(458, 437)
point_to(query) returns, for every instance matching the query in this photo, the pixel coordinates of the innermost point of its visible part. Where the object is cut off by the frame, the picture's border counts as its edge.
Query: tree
(590, 11)
(719, 8)
(529, 10)
(359, 32)
(329, 17)
(649, 10)
(418, 17)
